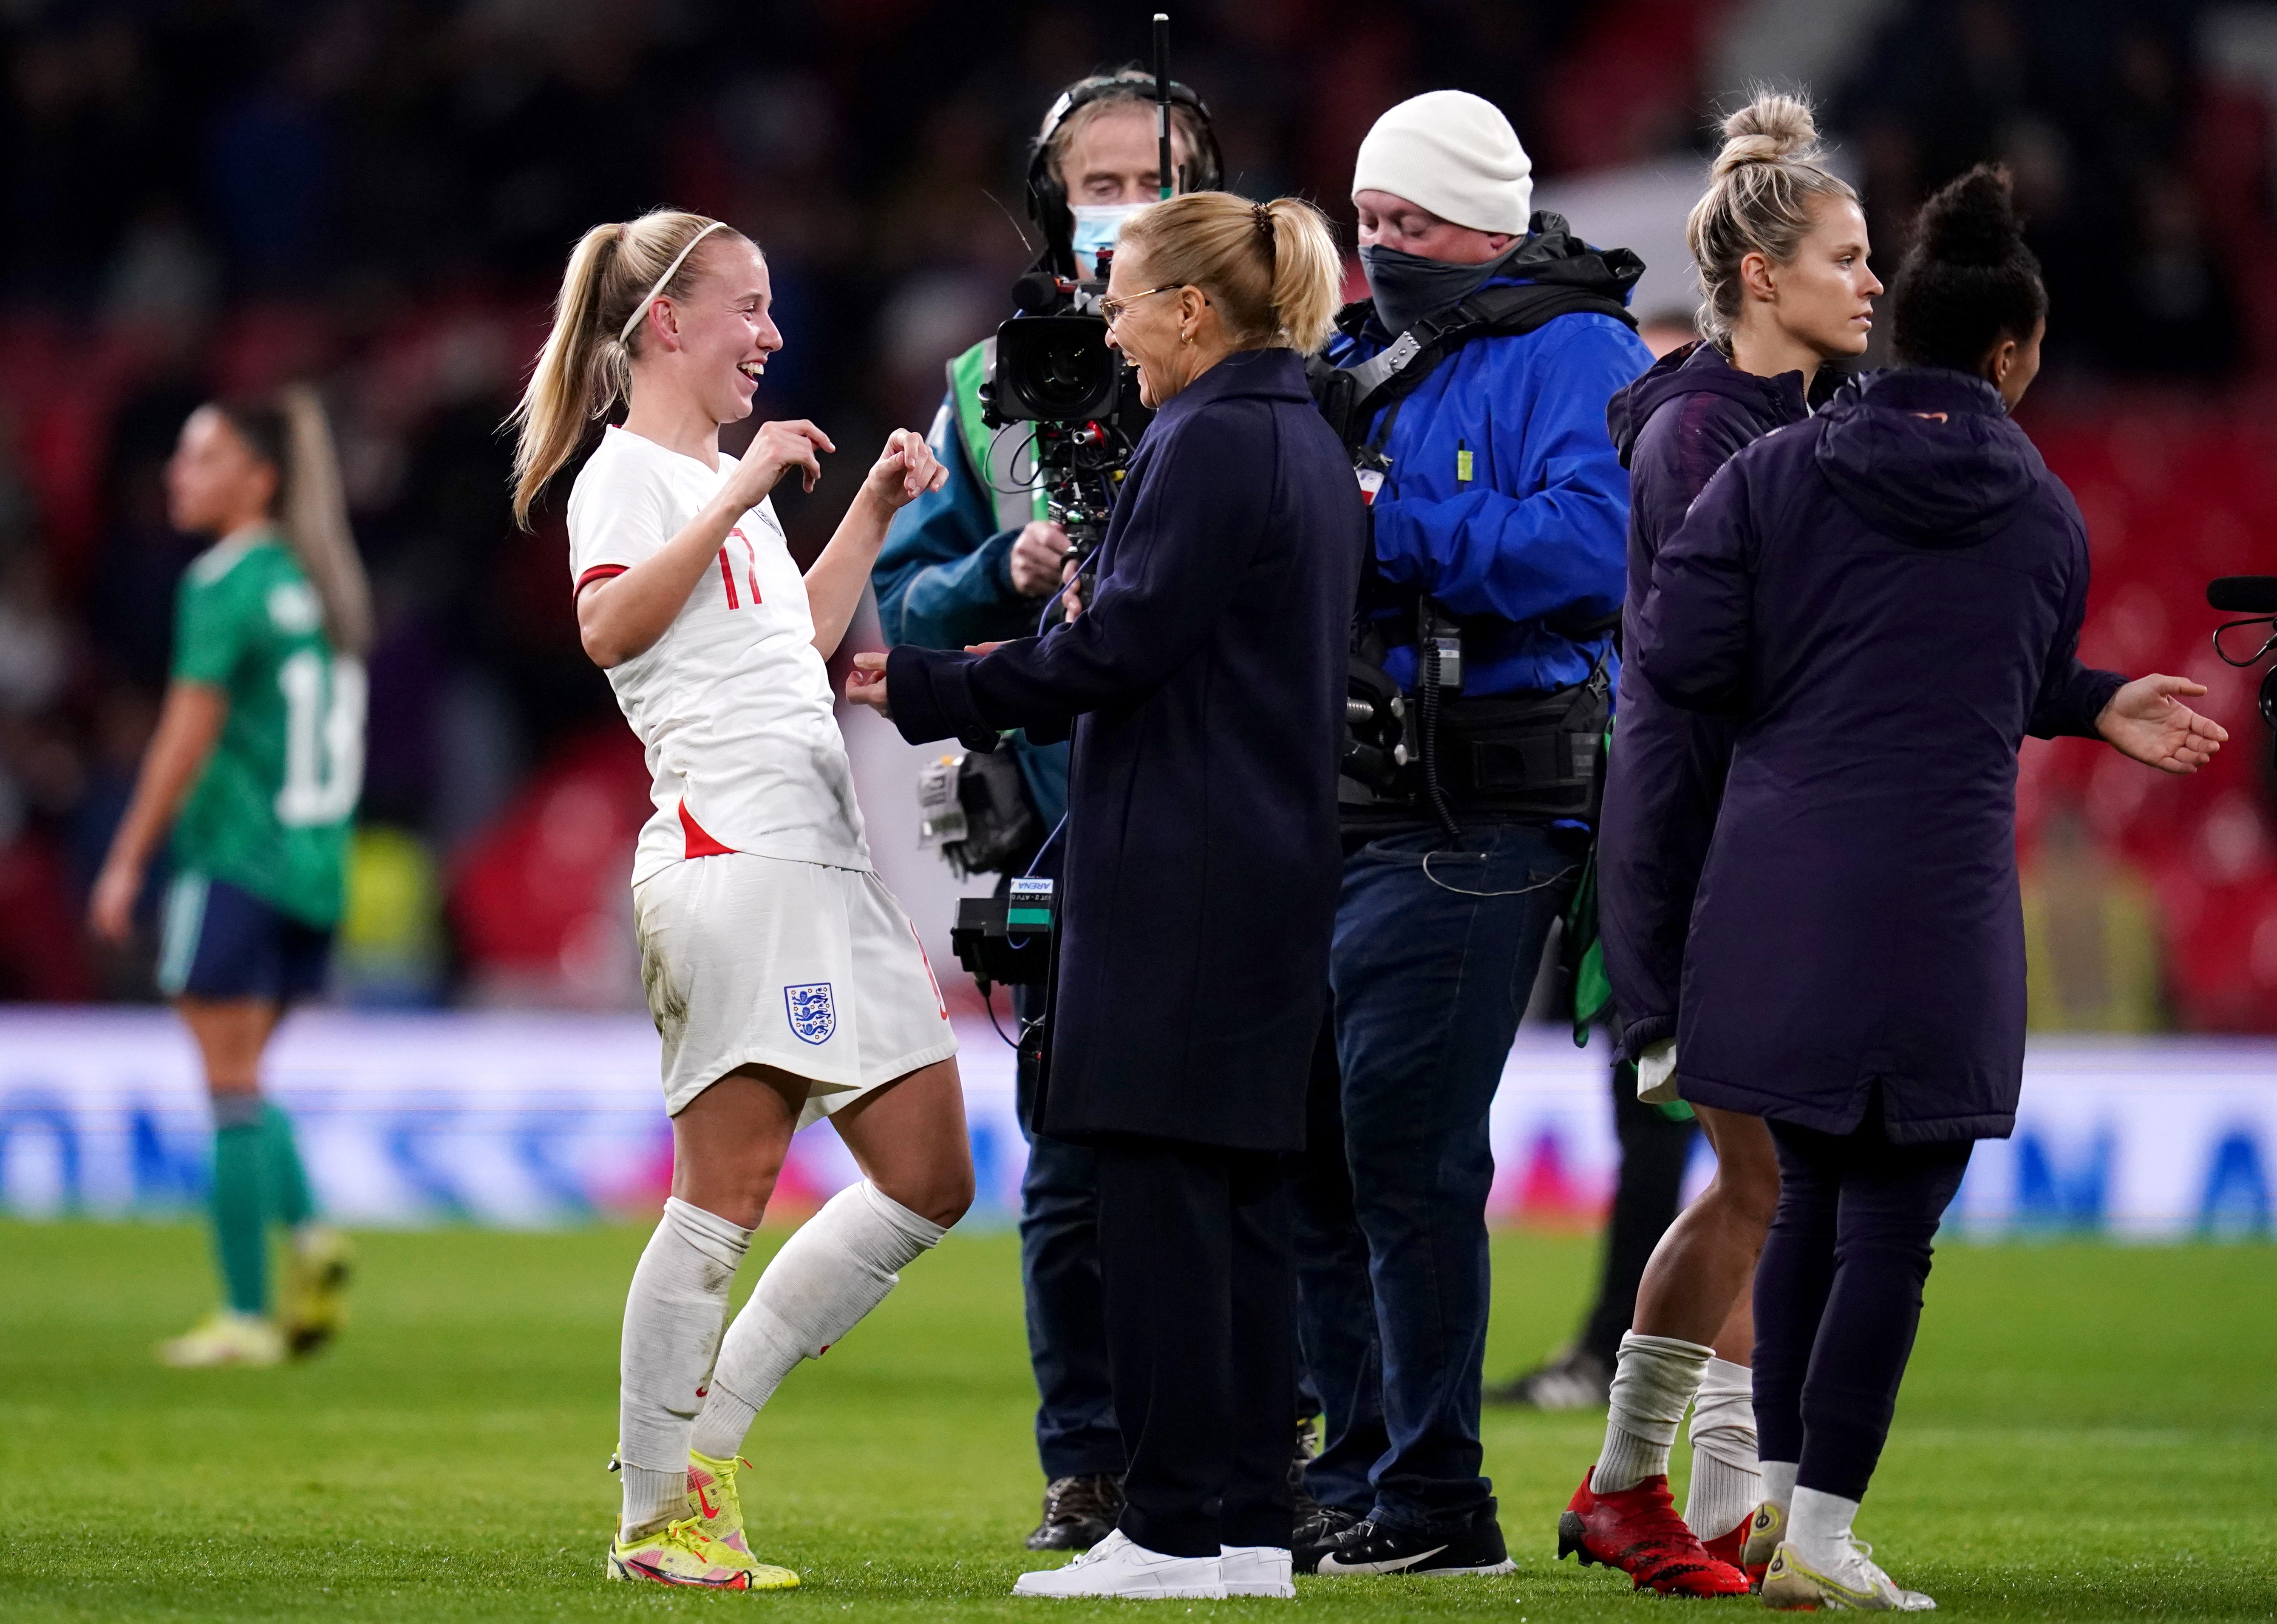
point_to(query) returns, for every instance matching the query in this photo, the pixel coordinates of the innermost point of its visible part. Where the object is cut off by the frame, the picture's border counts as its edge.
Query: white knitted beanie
(1454, 154)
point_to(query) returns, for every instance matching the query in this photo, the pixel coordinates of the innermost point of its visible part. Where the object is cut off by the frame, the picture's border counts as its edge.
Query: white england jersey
(733, 703)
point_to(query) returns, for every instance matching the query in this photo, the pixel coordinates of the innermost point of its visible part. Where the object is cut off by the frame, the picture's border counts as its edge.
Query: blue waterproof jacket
(944, 580)
(1505, 501)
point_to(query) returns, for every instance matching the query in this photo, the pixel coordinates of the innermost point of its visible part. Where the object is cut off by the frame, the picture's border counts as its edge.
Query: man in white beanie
(1500, 516)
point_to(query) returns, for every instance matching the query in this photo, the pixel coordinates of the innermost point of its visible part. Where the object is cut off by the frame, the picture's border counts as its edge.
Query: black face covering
(1408, 287)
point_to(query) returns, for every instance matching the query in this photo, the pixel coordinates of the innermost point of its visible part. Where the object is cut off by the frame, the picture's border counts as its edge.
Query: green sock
(240, 1233)
(289, 1202)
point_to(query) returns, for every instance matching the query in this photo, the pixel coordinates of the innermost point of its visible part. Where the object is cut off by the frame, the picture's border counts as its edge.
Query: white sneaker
(1850, 1581)
(1257, 1570)
(1117, 1567)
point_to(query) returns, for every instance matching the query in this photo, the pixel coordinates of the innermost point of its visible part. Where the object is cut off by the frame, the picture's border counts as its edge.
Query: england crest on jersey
(813, 1017)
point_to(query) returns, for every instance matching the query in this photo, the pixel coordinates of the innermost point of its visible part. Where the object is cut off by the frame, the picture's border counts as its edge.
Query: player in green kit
(255, 765)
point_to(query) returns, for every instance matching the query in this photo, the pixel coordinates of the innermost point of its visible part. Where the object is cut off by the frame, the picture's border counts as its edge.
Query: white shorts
(764, 960)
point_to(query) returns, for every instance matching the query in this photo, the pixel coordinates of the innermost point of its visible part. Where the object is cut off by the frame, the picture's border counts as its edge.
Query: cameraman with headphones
(977, 561)
(1471, 390)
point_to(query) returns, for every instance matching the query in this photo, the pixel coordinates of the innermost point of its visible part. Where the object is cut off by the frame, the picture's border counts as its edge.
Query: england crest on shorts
(813, 1017)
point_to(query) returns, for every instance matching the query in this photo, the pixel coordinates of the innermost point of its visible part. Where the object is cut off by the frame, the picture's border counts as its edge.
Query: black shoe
(1575, 1380)
(1316, 1531)
(1473, 1546)
(1308, 1445)
(1078, 1511)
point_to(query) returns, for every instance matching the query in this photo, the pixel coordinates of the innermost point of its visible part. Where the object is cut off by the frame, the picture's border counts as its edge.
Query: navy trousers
(1838, 1294)
(1076, 1431)
(1193, 1245)
(1435, 956)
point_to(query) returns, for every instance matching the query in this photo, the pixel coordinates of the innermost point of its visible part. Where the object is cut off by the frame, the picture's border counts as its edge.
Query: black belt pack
(1534, 755)
(1539, 756)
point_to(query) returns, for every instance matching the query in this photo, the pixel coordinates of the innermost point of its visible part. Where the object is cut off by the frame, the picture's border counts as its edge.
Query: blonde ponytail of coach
(586, 366)
(1272, 268)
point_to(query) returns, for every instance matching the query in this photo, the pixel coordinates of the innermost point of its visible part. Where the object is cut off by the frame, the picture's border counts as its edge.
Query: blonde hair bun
(1762, 198)
(1769, 128)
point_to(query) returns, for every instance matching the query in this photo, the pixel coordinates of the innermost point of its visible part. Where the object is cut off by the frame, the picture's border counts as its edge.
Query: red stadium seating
(2174, 493)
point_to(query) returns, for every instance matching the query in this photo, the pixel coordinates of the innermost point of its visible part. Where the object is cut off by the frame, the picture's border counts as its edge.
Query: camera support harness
(1538, 756)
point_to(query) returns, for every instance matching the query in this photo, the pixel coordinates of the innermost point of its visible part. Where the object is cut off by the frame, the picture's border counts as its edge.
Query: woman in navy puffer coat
(1781, 247)
(1886, 599)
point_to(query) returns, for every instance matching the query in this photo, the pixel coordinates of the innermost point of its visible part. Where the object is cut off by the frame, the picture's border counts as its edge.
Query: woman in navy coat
(1886, 599)
(1781, 246)
(1205, 684)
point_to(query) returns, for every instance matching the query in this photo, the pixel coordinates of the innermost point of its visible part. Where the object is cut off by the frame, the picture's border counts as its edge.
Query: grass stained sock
(240, 1227)
(838, 1267)
(673, 1316)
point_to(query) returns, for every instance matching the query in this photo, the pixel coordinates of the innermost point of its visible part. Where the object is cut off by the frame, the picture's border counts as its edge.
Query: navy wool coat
(1206, 687)
(1673, 428)
(1886, 599)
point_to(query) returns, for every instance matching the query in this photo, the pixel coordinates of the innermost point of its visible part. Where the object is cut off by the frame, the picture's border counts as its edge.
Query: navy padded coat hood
(1911, 467)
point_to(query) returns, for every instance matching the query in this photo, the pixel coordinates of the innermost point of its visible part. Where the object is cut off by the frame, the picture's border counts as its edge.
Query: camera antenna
(1162, 103)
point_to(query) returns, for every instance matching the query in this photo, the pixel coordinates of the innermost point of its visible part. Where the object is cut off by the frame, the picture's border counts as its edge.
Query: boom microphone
(2243, 594)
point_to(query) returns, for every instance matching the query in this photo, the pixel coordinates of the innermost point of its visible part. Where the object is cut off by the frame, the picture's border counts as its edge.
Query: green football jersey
(270, 814)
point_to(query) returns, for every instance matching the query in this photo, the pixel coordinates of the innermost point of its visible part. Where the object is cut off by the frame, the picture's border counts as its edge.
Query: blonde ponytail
(1272, 268)
(1307, 273)
(586, 365)
(1762, 198)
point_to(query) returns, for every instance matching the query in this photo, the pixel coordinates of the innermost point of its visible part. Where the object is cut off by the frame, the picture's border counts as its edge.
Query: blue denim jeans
(1076, 1430)
(1436, 953)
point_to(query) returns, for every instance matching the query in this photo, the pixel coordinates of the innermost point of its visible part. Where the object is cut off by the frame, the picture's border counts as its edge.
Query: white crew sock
(1818, 1528)
(1779, 1481)
(1653, 1384)
(673, 1315)
(838, 1267)
(1726, 1488)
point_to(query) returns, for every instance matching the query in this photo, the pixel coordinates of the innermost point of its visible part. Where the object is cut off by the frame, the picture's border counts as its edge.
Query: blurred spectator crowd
(212, 196)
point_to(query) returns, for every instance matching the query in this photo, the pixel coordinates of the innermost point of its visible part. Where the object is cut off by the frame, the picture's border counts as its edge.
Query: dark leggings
(1838, 1295)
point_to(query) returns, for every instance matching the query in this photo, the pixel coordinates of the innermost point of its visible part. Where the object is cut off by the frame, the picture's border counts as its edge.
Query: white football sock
(838, 1267)
(1653, 1384)
(1779, 1481)
(1726, 1488)
(673, 1315)
(1818, 1527)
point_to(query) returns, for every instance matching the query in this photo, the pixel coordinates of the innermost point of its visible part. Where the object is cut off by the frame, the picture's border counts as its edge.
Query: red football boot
(1732, 1547)
(1639, 1532)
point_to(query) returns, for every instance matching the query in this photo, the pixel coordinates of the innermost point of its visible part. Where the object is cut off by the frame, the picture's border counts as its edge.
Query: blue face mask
(1096, 227)
(1408, 287)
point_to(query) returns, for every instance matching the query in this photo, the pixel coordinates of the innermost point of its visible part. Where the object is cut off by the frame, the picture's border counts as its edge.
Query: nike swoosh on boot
(1330, 1565)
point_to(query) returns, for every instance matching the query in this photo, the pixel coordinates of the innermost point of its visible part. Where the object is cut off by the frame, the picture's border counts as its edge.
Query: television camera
(2254, 596)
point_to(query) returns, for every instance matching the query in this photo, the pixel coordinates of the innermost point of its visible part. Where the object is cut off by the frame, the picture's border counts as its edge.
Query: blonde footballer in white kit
(785, 982)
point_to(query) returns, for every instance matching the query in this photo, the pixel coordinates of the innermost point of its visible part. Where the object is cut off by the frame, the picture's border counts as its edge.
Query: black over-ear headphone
(1204, 170)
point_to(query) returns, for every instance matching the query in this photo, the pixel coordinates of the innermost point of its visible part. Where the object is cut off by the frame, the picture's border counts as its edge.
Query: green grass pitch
(2089, 1432)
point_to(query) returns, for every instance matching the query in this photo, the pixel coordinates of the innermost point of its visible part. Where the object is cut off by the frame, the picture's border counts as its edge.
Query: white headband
(671, 270)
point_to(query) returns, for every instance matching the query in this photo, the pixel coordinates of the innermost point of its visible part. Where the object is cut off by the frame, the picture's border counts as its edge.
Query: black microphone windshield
(2244, 594)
